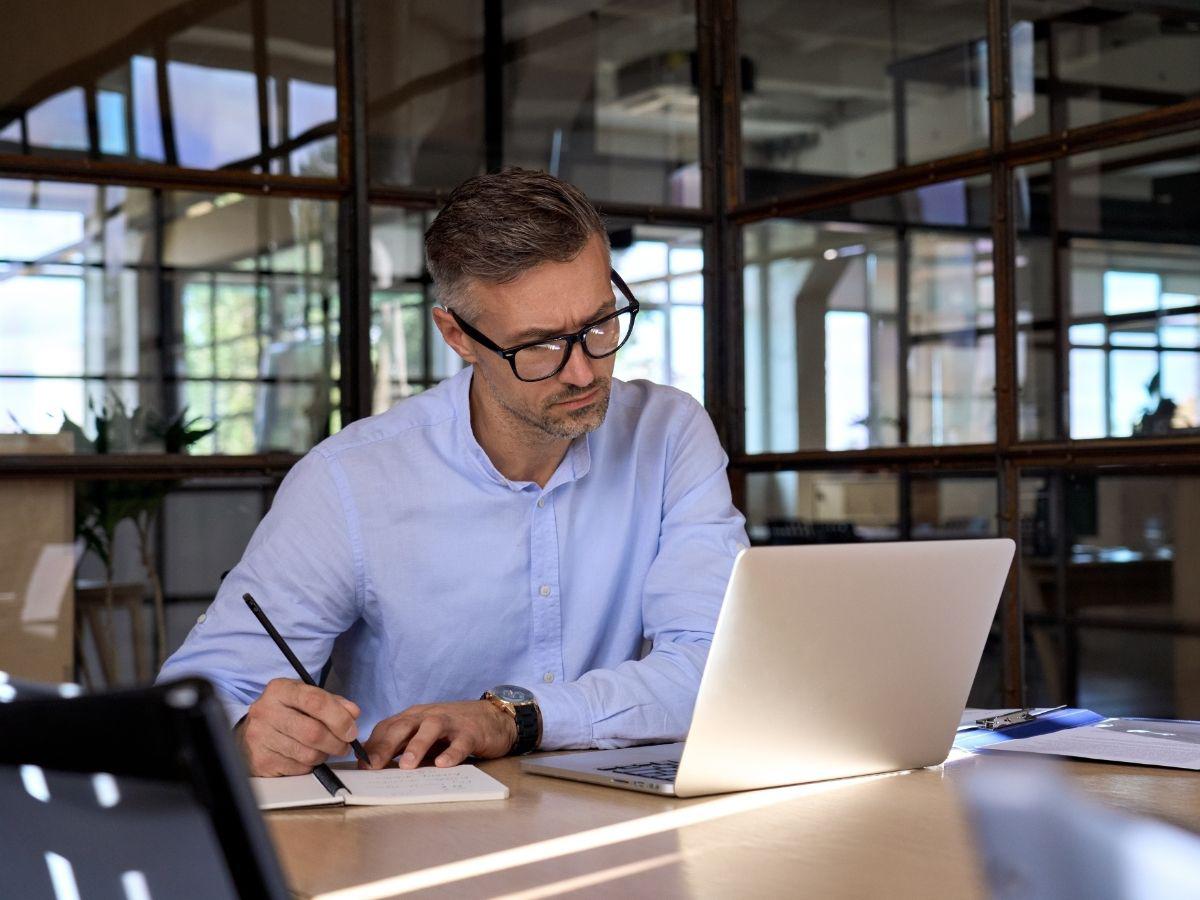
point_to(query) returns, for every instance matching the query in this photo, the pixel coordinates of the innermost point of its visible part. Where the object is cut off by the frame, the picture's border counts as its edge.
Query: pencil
(291, 657)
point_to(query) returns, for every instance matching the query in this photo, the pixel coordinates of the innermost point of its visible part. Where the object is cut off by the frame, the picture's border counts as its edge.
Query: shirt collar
(575, 464)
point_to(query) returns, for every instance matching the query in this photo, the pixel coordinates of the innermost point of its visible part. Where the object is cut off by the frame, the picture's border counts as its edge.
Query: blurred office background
(932, 265)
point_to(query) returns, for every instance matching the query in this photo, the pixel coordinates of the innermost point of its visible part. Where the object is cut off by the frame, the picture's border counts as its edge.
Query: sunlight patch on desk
(579, 882)
(488, 863)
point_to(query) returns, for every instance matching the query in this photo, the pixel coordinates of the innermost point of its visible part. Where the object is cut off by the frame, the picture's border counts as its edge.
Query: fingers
(432, 729)
(453, 731)
(296, 754)
(331, 711)
(389, 736)
(460, 748)
(269, 752)
(350, 706)
(294, 726)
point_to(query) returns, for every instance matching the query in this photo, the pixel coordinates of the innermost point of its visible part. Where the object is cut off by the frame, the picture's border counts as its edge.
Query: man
(529, 522)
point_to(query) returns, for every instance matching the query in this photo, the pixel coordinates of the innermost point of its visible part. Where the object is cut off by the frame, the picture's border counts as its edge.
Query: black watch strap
(527, 730)
(526, 716)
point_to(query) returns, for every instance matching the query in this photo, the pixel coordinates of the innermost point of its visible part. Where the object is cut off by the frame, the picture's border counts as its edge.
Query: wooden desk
(901, 835)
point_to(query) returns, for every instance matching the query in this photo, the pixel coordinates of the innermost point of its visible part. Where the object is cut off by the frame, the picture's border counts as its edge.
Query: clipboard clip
(1018, 717)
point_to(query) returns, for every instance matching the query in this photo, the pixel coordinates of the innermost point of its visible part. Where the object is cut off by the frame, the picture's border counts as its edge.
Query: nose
(578, 370)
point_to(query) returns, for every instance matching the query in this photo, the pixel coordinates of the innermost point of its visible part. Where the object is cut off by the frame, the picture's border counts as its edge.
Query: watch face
(512, 694)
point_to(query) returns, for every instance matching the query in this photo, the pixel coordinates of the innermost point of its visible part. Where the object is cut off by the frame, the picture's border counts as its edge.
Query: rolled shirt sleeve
(302, 568)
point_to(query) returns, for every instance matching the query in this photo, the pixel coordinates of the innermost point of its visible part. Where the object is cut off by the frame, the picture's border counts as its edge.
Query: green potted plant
(102, 505)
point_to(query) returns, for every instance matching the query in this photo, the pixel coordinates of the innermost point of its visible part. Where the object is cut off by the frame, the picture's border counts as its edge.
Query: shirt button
(548, 677)
(544, 590)
(200, 618)
(541, 502)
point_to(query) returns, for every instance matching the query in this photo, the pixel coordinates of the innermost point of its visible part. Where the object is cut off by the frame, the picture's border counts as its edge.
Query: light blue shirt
(398, 547)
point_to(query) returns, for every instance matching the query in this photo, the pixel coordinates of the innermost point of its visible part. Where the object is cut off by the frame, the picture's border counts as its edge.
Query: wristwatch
(521, 705)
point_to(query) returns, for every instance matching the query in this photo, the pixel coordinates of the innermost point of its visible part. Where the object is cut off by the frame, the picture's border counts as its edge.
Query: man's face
(549, 300)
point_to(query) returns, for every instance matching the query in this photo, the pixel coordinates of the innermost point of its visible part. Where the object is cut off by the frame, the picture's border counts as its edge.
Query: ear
(453, 335)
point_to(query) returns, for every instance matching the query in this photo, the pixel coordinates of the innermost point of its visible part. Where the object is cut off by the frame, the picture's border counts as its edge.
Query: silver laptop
(827, 661)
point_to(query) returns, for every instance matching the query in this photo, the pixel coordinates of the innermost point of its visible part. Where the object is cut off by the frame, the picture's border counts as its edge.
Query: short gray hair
(495, 227)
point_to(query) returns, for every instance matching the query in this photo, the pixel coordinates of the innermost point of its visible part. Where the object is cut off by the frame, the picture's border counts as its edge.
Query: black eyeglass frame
(510, 353)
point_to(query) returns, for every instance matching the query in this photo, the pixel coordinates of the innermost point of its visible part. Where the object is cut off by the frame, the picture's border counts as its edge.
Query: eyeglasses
(546, 357)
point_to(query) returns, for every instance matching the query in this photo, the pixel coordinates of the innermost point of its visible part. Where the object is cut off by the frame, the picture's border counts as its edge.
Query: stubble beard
(565, 424)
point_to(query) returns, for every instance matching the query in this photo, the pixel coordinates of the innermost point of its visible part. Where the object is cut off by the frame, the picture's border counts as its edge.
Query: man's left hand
(466, 728)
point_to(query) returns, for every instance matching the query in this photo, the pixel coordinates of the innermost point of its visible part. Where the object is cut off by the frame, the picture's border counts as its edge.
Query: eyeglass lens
(603, 339)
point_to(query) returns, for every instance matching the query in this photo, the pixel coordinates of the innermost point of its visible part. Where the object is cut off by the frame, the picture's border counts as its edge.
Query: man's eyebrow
(533, 334)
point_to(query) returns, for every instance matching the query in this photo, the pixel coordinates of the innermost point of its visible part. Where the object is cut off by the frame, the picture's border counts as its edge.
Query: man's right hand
(294, 726)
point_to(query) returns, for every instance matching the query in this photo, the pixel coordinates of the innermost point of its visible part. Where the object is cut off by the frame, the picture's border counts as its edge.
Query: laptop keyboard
(662, 770)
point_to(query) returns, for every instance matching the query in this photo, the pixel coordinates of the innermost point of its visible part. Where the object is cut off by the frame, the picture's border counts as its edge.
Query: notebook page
(424, 785)
(291, 790)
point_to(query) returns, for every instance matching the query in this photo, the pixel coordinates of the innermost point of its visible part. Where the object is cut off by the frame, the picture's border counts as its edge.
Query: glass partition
(835, 91)
(599, 92)
(810, 507)
(241, 289)
(1112, 241)
(663, 266)
(1077, 64)
(208, 86)
(1104, 557)
(875, 329)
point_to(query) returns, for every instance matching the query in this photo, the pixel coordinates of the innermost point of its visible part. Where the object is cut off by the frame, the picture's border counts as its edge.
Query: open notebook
(377, 787)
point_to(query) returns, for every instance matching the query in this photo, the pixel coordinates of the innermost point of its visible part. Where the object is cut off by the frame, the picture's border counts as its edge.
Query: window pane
(407, 353)
(207, 114)
(822, 507)
(667, 344)
(1125, 561)
(245, 301)
(1128, 271)
(1081, 63)
(954, 507)
(833, 91)
(1089, 386)
(1131, 373)
(842, 317)
(836, 507)
(598, 92)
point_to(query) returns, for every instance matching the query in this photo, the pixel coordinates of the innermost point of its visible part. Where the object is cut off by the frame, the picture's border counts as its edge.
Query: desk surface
(902, 835)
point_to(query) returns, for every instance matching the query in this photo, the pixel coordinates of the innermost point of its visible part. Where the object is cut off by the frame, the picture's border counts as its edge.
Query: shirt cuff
(566, 717)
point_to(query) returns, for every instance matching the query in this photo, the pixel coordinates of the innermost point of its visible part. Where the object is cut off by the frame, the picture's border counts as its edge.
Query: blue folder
(1047, 723)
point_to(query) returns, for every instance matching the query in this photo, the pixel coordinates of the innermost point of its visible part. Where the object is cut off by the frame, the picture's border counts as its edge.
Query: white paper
(291, 791)
(424, 785)
(1153, 743)
(380, 787)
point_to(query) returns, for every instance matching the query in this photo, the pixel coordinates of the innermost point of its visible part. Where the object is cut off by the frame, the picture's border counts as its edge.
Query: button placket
(546, 613)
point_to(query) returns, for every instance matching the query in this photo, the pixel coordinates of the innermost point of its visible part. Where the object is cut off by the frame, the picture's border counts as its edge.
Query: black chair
(131, 794)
